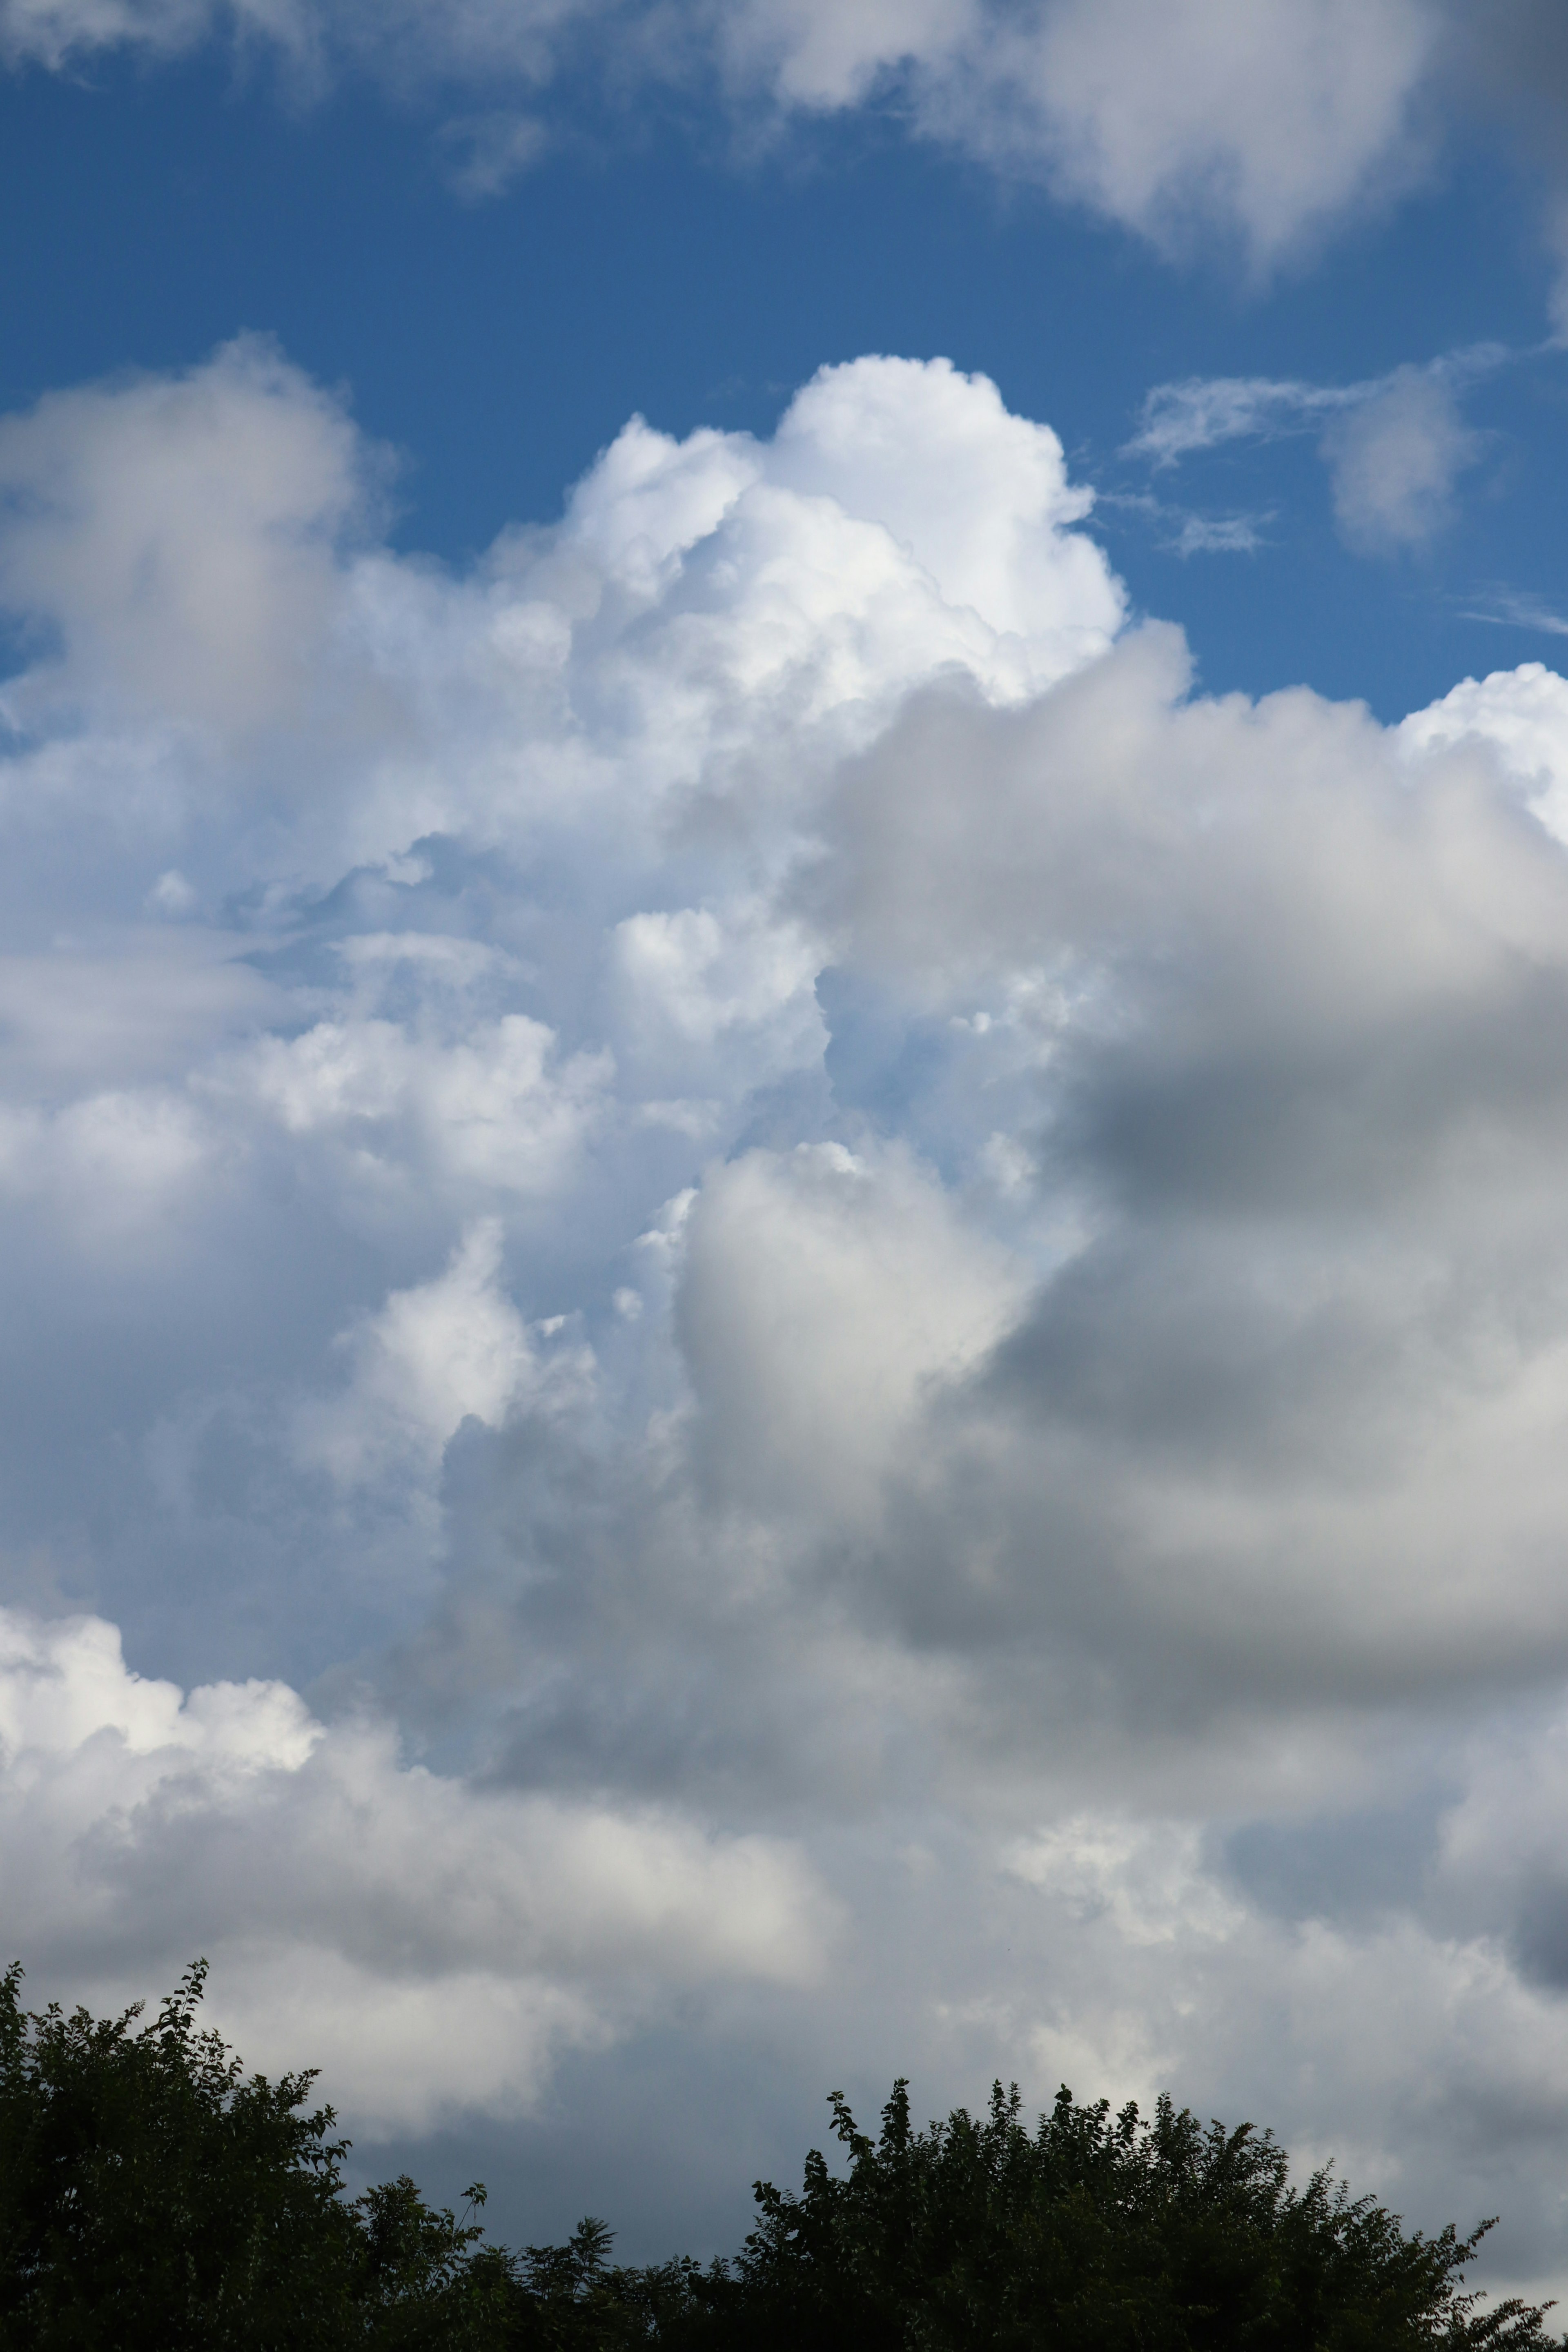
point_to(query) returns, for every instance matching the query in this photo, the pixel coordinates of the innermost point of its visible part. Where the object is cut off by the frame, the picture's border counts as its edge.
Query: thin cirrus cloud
(1517, 608)
(900, 1284)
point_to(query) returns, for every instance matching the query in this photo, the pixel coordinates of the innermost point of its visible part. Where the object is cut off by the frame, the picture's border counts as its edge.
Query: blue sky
(781, 1104)
(496, 342)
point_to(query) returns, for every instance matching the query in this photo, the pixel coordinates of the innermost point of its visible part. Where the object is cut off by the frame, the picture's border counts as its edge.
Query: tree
(152, 2195)
(1107, 2233)
(155, 2198)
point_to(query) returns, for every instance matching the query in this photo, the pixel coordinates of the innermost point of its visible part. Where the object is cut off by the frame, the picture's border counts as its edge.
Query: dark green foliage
(149, 2196)
(152, 2199)
(1109, 2234)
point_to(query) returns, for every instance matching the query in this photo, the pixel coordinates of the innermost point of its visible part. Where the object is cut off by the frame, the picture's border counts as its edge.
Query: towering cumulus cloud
(875, 1305)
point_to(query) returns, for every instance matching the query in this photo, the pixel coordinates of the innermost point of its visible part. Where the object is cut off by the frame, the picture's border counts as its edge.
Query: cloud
(1203, 412)
(1516, 608)
(1266, 121)
(894, 1287)
(178, 535)
(486, 153)
(1518, 717)
(1513, 63)
(1392, 463)
(1259, 125)
(344, 1893)
(1189, 531)
(1239, 534)
(493, 1107)
(1262, 1103)
(431, 1359)
(822, 1294)
(1395, 447)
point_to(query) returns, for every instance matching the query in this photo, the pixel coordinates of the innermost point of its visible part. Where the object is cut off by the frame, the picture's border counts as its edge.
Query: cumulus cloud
(877, 1267)
(447, 1941)
(178, 535)
(822, 1294)
(1518, 717)
(433, 1357)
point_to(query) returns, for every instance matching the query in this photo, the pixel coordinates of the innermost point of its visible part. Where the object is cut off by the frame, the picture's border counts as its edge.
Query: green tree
(152, 2195)
(1107, 2233)
(155, 2197)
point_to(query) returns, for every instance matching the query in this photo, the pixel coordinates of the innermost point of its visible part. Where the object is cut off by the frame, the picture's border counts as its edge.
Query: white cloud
(1394, 446)
(823, 1294)
(113, 1166)
(50, 31)
(1240, 534)
(131, 1004)
(349, 1900)
(180, 536)
(1203, 412)
(486, 153)
(1520, 716)
(432, 1357)
(492, 1109)
(732, 992)
(847, 1239)
(874, 436)
(1267, 120)
(208, 620)
(1392, 463)
(1518, 608)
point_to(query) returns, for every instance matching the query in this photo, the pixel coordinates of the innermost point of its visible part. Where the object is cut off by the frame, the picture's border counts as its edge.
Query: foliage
(153, 2196)
(1110, 2233)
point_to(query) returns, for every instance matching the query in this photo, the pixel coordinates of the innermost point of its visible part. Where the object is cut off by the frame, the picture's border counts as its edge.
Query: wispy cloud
(1201, 411)
(1394, 444)
(1236, 534)
(1184, 531)
(1198, 413)
(484, 154)
(1517, 608)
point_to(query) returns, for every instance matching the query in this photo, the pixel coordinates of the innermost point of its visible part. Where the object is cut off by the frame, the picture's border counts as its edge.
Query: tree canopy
(153, 2198)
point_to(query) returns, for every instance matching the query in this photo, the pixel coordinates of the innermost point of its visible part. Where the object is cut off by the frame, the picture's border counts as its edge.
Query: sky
(783, 1071)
